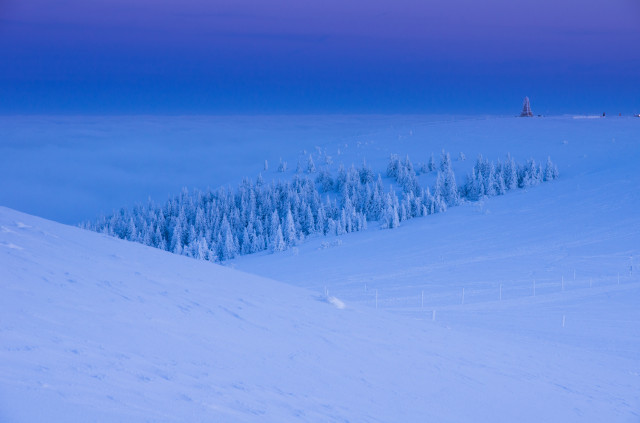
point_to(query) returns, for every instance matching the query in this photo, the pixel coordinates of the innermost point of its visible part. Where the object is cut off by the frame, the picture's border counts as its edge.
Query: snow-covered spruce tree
(529, 175)
(228, 245)
(449, 188)
(473, 188)
(432, 164)
(484, 180)
(311, 167)
(390, 218)
(341, 179)
(277, 242)
(439, 194)
(324, 180)
(510, 173)
(289, 231)
(424, 168)
(550, 171)
(366, 173)
(445, 161)
(404, 174)
(393, 166)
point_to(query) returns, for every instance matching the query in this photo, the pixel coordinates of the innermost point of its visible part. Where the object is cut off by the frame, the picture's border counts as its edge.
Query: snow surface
(74, 168)
(98, 329)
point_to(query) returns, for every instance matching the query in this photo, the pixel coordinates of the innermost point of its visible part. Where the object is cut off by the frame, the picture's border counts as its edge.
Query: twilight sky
(283, 56)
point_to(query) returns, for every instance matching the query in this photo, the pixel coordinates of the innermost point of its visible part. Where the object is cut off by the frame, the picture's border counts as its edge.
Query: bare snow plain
(522, 307)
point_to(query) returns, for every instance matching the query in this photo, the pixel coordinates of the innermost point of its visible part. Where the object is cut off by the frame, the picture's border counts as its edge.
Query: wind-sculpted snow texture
(219, 225)
(93, 328)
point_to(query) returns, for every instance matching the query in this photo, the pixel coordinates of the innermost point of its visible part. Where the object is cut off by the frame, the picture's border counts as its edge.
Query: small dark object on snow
(526, 108)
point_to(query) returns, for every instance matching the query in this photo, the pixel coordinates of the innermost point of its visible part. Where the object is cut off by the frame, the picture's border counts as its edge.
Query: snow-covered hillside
(574, 235)
(98, 329)
(521, 307)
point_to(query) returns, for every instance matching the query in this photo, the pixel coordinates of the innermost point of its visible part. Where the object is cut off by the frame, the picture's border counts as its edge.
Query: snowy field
(521, 307)
(71, 169)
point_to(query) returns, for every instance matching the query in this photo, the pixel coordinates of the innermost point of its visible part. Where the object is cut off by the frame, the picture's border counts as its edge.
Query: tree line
(218, 225)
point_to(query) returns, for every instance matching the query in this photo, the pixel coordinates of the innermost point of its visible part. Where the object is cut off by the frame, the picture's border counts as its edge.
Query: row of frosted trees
(219, 225)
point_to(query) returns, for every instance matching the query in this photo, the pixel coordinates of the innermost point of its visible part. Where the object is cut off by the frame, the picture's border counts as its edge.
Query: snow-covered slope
(98, 329)
(564, 240)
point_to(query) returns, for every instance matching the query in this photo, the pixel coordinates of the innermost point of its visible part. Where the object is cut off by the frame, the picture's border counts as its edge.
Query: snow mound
(336, 302)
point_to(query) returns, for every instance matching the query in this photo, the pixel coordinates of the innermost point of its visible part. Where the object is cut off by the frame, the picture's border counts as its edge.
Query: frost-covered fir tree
(245, 247)
(341, 179)
(510, 173)
(324, 180)
(529, 174)
(449, 188)
(178, 233)
(277, 242)
(473, 187)
(202, 252)
(228, 247)
(445, 162)
(390, 218)
(311, 167)
(289, 232)
(366, 173)
(432, 164)
(282, 167)
(393, 166)
(550, 171)
(424, 168)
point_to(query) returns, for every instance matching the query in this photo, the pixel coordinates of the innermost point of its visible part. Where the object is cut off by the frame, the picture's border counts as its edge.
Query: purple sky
(245, 54)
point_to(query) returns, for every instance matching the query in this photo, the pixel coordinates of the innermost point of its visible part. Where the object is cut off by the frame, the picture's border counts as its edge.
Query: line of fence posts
(326, 292)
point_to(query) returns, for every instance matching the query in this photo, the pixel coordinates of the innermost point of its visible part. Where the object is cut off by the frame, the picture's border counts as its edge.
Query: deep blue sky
(250, 56)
